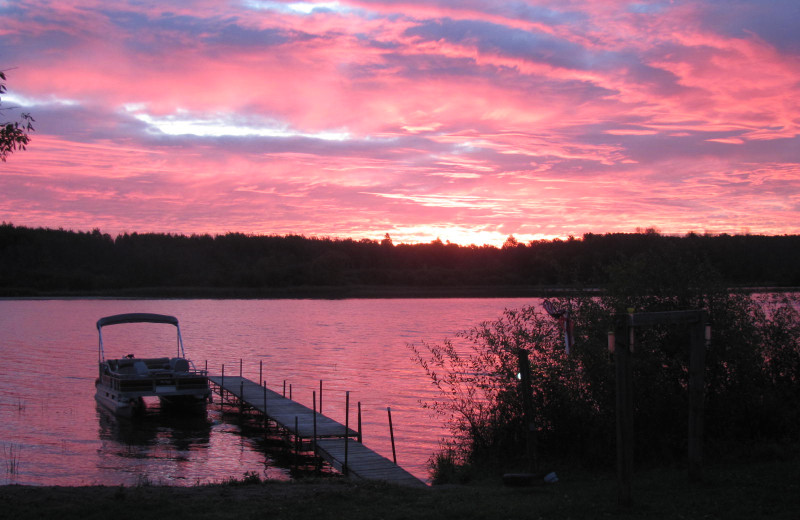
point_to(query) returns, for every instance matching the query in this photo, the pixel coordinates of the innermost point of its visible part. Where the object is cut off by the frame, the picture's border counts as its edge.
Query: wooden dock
(329, 439)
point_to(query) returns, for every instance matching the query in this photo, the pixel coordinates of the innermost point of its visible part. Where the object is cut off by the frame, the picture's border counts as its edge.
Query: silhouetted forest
(36, 262)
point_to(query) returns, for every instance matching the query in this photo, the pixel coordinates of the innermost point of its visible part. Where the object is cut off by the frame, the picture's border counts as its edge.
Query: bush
(751, 374)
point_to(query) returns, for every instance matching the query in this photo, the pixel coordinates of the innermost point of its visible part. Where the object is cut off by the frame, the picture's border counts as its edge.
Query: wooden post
(622, 358)
(222, 387)
(296, 441)
(314, 441)
(290, 391)
(346, 429)
(391, 433)
(266, 417)
(526, 388)
(260, 371)
(320, 396)
(360, 438)
(697, 361)
(284, 388)
(240, 367)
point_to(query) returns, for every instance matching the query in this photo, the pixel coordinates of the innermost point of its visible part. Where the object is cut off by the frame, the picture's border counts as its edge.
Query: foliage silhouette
(52, 262)
(752, 368)
(14, 135)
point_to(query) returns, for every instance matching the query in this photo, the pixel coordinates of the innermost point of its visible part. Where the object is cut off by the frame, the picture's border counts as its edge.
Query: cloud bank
(467, 121)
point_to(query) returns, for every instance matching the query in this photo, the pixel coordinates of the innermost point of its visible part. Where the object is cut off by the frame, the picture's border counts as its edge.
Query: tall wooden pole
(697, 361)
(624, 373)
(526, 388)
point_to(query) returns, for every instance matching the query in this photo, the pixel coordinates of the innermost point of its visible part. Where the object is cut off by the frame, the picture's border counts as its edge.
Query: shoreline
(765, 488)
(332, 292)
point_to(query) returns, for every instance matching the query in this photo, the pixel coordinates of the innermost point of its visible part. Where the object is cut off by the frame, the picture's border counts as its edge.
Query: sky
(466, 121)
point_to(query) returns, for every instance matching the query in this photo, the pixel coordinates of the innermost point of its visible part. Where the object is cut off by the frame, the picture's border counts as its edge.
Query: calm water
(53, 433)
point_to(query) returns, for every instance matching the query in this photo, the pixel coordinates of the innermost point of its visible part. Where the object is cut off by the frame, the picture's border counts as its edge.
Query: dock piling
(346, 428)
(360, 439)
(330, 439)
(391, 434)
(314, 441)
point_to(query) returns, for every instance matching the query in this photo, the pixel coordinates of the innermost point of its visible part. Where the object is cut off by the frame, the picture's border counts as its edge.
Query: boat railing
(148, 368)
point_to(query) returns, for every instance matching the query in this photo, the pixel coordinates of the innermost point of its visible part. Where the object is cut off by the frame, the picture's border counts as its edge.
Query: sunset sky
(464, 120)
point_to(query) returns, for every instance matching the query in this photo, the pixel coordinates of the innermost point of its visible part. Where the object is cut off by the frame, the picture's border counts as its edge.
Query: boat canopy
(136, 317)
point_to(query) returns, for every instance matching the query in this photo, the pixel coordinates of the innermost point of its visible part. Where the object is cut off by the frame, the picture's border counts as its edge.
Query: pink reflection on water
(50, 421)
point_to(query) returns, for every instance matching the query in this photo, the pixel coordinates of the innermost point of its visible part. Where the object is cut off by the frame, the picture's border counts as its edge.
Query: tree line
(42, 261)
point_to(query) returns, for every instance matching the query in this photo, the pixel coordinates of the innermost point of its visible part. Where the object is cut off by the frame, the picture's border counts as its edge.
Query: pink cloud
(370, 117)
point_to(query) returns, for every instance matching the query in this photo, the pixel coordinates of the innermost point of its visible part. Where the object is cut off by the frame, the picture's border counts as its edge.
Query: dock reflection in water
(161, 447)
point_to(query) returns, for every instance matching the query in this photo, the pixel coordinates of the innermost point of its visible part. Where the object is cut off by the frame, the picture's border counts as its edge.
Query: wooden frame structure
(624, 326)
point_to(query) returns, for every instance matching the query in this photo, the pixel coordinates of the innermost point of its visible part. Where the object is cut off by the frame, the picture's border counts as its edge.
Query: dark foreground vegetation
(37, 262)
(751, 376)
(741, 491)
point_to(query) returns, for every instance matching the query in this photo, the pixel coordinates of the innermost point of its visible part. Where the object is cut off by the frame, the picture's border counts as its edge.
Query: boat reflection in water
(156, 425)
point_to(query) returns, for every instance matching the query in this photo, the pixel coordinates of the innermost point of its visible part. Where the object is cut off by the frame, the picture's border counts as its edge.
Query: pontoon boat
(123, 382)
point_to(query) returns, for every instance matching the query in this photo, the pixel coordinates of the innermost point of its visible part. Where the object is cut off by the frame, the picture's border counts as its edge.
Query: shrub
(751, 374)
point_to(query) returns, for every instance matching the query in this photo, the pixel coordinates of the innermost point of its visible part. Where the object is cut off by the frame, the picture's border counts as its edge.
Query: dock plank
(362, 462)
(282, 410)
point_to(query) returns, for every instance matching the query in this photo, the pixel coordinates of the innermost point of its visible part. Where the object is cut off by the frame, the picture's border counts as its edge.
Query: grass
(746, 491)
(11, 456)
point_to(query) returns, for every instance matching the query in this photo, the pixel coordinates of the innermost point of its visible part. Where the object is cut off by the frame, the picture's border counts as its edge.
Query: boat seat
(141, 368)
(157, 363)
(179, 365)
(127, 370)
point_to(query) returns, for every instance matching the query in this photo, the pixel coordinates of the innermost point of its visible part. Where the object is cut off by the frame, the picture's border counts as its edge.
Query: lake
(52, 432)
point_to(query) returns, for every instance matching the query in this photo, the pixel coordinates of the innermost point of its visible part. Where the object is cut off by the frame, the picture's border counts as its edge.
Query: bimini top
(136, 317)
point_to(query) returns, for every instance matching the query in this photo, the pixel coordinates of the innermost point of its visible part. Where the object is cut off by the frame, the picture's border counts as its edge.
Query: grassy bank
(746, 491)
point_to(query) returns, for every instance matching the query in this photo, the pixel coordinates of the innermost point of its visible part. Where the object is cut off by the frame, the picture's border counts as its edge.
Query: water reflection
(156, 427)
(49, 416)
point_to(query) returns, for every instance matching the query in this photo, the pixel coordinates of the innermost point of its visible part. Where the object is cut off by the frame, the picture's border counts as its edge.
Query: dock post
(222, 387)
(360, 439)
(284, 388)
(320, 396)
(391, 434)
(260, 371)
(290, 391)
(314, 441)
(346, 429)
(296, 441)
(266, 417)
